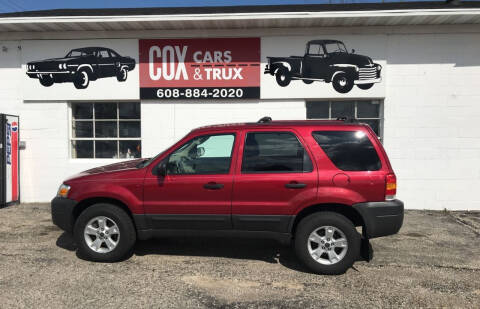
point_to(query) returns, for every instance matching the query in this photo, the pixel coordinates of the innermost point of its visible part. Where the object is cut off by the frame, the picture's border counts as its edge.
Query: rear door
(351, 162)
(274, 176)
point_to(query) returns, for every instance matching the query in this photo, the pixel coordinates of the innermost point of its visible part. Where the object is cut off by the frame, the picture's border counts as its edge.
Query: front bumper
(381, 218)
(368, 81)
(62, 213)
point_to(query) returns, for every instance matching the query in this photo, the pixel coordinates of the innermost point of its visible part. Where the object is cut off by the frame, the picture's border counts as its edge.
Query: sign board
(296, 67)
(10, 157)
(80, 69)
(219, 68)
(324, 67)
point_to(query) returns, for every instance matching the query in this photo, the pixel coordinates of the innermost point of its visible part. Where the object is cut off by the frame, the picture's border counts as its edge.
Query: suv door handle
(295, 185)
(213, 186)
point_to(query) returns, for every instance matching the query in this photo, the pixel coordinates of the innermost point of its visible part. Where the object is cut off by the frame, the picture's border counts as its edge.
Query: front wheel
(365, 86)
(342, 82)
(46, 80)
(104, 233)
(283, 77)
(327, 243)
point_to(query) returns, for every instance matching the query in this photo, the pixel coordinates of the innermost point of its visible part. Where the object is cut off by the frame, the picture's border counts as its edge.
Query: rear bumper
(62, 213)
(381, 218)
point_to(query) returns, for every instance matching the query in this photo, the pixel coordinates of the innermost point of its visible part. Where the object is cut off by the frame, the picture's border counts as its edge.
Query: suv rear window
(274, 152)
(349, 150)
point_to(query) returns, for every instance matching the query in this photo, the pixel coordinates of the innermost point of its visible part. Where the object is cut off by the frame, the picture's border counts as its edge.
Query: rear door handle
(213, 186)
(295, 185)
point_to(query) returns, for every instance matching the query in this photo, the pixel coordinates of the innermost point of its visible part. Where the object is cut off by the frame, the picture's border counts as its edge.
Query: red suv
(312, 182)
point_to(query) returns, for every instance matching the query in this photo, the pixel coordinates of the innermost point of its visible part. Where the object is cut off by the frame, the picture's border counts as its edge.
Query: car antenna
(265, 119)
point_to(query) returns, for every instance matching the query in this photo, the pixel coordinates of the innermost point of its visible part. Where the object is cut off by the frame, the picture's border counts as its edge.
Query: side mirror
(200, 151)
(353, 51)
(160, 169)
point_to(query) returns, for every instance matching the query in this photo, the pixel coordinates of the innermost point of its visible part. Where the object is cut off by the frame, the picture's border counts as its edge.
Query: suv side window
(349, 150)
(206, 154)
(274, 152)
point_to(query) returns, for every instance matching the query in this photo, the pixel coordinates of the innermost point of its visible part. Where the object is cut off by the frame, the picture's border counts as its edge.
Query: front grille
(367, 73)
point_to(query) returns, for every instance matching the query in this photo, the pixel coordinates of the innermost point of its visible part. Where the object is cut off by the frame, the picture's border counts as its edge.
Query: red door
(274, 176)
(196, 191)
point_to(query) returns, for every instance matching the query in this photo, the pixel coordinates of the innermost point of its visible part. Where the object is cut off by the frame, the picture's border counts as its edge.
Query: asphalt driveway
(433, 262)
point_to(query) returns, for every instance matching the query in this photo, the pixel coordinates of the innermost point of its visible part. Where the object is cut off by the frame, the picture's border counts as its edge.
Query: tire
(46, 80)
(365, 86)
(342, 82)
(307, 81)
(81, 79)
(122, 75)
(283, 77)
(342, 228)
(123, 241)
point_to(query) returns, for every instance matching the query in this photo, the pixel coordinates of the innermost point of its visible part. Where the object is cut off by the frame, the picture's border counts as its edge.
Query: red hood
(116, 167)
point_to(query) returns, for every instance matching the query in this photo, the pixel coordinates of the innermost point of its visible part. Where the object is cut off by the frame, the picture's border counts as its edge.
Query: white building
(426, 108)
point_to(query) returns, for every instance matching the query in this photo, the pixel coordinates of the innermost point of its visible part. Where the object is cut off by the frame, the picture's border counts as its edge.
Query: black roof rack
(348, 119)
(265, 119)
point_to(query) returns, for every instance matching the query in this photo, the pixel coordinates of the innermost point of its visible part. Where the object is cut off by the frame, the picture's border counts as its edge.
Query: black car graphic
(80, 66)
(326, 61)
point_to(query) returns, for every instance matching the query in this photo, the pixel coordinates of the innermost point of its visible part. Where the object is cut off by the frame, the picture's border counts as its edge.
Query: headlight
(379, 67)
(33, 66)
(60, 65)
(64, 66)
(63, 190)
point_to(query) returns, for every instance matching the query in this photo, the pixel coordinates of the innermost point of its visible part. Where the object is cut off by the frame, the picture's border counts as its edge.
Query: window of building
(106, 130)
(274, 152)
(366, 111)
(206, 154)
(349, 150)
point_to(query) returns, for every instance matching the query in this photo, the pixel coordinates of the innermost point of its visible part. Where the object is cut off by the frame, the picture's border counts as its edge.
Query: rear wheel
(283, 77)
(327, 243)
(81, 79)
(122, 75)
(104, 233)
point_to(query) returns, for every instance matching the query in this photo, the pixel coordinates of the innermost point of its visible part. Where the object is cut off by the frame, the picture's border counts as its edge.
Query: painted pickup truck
(80, 66)
(326, 61)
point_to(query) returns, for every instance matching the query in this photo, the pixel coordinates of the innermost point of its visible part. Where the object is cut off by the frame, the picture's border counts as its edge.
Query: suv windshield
(336, 47)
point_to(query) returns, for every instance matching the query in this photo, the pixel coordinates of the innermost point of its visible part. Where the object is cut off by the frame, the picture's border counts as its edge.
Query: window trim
(380, 117)
(71, 121)
(242, 172)
(230, 168)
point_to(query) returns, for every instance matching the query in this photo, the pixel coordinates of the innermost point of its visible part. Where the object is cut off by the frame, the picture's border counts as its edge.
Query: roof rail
(265, 119)
(348, 119)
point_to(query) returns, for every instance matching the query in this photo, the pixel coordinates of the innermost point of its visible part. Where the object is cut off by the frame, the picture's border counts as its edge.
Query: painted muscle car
(80, 66)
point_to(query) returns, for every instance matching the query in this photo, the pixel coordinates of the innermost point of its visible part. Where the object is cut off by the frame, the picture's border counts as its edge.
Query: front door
(196, 191)
(274, 178)
(106, 64)
(315, 62)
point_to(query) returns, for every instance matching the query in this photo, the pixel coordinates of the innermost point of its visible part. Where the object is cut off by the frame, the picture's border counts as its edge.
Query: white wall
(432, 113)
(431, 109)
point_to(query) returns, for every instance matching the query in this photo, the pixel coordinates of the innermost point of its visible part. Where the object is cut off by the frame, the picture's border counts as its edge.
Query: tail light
(390, 186)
